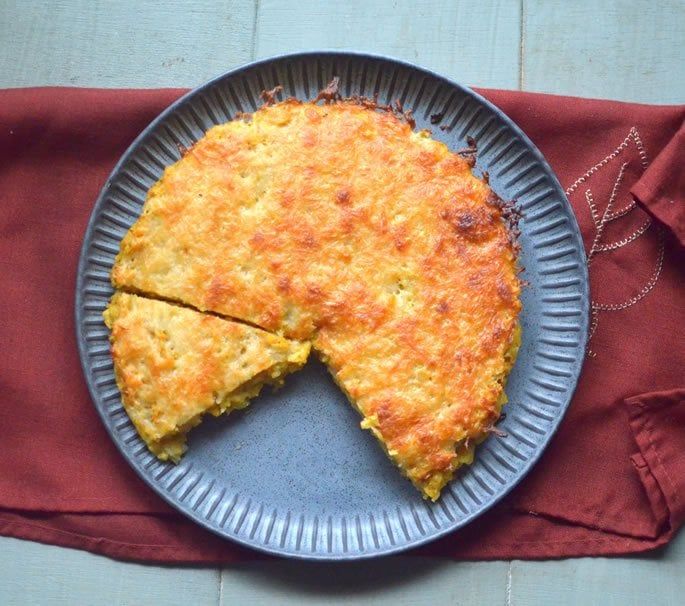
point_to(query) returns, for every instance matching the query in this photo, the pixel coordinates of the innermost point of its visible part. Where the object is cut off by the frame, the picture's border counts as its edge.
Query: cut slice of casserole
(174, 364)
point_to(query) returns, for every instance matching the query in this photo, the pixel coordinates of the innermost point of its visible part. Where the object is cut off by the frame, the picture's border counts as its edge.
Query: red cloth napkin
(613, 478)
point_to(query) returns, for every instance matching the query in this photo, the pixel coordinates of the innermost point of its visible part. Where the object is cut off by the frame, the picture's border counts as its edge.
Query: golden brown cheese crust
(340, 225)
(174, 364)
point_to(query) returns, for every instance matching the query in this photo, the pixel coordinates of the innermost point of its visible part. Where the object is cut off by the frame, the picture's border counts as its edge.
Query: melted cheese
(174, 364)
(338, 225)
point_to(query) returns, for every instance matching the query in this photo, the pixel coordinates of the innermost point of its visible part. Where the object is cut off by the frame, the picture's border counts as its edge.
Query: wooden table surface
(622, 49)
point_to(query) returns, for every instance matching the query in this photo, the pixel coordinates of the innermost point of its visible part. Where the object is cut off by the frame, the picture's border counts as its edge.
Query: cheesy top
(339, 225)
(173, 364)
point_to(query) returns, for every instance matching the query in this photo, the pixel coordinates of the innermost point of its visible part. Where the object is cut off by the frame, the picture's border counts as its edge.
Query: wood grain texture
(441, 35)
(31, 573)
(632, 50)
(657, 580)
(126, 43)
(389, 581)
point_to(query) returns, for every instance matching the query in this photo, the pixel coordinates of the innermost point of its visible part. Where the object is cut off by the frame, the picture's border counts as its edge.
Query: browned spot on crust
(308, 240)
(330, 93)
(474, 224)
(243, 116)
(465, 221)
(407, 114)
(312, 115)
(351, 217)
(271, 315)
(471, 148)
(284, 284)
(269, 96)
(392, 424)
(401, 237)
(258, 241)
(443, 307)
(182, 149)
(439, 245)
(315, 292)
(441, 461)
(475, 280)
(491, 337)
(504, 290)
(287, 198)
(342, 197)
(511, 215)
(309, 138)
(218, 292)
(400, 242)
(437, 118)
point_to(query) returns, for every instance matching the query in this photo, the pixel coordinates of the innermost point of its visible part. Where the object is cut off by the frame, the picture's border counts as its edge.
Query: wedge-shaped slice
(174, 364)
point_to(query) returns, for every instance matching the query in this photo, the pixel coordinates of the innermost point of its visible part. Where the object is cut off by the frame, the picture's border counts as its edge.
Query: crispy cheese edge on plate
(174, 364)
(339, 225)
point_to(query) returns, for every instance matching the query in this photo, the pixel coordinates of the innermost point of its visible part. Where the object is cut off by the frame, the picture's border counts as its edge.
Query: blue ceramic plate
(293, 474)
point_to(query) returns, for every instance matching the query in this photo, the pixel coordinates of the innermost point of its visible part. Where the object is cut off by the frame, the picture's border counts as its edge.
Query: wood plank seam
(522, 40)
(509, 583)
(255, 21)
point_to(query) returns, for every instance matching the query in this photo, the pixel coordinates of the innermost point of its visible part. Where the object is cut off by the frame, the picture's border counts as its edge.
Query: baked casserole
(340, 226)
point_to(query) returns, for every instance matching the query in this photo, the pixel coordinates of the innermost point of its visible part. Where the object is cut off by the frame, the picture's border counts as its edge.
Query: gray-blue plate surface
(294, 474)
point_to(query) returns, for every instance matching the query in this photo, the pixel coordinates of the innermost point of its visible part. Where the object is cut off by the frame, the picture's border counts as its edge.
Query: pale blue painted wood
(31, 573)
(391, 581)
(475, 43)
(658, 580)
(632, 50)
(122, 44)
